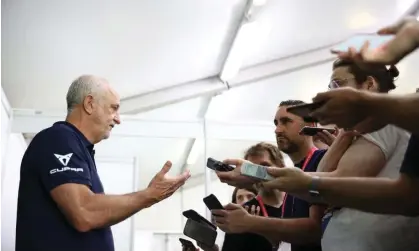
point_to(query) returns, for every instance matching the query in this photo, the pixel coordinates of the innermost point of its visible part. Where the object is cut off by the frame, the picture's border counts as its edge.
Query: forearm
(331, 158)
(105, 210)
(401, 111)
(376, 195)
(296, 231)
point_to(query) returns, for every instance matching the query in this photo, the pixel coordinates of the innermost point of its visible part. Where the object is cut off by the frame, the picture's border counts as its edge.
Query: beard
(286, 145)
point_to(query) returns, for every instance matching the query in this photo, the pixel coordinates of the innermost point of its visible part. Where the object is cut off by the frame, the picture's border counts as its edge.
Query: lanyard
(310, 154)
(262, 206)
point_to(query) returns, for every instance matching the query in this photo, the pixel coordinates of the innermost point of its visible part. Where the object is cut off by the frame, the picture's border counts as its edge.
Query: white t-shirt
(354, 230)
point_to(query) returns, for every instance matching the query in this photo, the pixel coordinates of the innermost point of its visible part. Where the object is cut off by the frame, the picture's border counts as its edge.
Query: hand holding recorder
(229, 174)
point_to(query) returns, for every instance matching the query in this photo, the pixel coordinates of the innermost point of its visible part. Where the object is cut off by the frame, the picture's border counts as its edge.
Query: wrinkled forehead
(111, 95)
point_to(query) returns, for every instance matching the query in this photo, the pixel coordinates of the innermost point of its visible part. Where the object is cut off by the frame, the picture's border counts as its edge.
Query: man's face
(287, 130)
(107, 113)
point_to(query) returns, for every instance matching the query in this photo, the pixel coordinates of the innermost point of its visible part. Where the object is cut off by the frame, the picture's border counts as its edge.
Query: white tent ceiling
(161, 52)
(147, 45)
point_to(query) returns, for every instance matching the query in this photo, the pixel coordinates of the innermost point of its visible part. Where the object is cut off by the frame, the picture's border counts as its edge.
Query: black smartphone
(218, 165)
(212, 202)
(311, 131)
(200, 232)
(187, 243)
(192, 214)
(304, 111)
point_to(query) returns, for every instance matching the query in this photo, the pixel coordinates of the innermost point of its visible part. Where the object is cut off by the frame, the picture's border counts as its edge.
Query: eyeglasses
(337, 83)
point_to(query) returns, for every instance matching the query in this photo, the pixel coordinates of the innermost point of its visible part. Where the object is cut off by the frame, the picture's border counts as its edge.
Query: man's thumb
(166, 167)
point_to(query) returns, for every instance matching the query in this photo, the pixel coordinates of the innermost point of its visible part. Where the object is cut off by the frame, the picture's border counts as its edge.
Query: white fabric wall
(16, 147)
(5, 121)
(117, 176)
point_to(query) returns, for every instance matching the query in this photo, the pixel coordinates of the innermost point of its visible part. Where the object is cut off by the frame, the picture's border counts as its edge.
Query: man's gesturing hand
(163, 186)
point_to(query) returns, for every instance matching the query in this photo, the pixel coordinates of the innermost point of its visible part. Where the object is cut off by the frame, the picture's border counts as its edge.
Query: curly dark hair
(384, 77)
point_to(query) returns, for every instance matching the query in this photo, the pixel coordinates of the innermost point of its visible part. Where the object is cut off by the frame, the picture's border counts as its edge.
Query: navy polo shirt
(298, 208)
(57, 155)
(410, 165)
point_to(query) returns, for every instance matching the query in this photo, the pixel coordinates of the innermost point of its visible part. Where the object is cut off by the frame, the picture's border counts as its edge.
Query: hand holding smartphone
(305, 110)
(218, 165)
(212, 202)
(357, 41)
(311, 131)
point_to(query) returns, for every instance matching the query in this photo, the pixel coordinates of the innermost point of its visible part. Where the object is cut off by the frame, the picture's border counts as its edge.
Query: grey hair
(80, 88)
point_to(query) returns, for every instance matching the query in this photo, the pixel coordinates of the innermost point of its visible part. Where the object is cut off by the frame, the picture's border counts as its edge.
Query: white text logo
(58, 170)
(64, 159)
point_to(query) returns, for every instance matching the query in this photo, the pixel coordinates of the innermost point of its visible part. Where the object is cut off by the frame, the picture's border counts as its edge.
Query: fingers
(326, 137)
(322, 96)
(219, 213)
(224, 177)
(276, 171)
(272, 184)
(220, 219)
(166, 167)
(234, 162)
(231, 206)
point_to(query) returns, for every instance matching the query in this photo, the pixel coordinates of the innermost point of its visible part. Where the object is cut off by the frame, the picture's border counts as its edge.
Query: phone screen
(358, 41)
(212, 202)
(200, 233)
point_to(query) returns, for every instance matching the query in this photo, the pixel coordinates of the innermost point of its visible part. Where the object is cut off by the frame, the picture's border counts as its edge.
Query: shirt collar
(83, 138)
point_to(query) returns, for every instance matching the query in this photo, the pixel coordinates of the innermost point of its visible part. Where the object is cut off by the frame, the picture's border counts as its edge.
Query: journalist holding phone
(370, 111)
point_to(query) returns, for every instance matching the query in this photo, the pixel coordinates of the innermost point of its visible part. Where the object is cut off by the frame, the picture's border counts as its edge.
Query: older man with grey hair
(61, 201)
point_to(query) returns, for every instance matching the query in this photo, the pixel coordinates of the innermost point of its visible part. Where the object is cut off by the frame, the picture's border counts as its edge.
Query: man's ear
(88, 104)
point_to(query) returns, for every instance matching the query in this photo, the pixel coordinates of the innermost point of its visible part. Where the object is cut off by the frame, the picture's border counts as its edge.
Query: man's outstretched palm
(163, 186)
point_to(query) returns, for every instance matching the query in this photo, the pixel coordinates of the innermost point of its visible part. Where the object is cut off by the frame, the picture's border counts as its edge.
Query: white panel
(117, 178)
(14, 153)
(143, 241)
(164, 216)
(5, 122)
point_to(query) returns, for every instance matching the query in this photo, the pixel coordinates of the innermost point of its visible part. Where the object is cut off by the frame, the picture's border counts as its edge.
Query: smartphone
(357, 41)
(311, 131)
(212, 202)
(255, 171)
(304, 111)
(192, 214)
(187, 243)
(200, 232)
(218, 165)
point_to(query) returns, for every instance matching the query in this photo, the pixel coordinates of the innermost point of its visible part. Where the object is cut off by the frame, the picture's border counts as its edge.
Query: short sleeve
(410, 165)
(387, 139)
(62, 159)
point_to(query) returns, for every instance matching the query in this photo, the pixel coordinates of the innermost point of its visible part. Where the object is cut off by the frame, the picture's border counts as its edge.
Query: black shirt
(298, 208)
(410, 165)
(56, 156)
(250, 241)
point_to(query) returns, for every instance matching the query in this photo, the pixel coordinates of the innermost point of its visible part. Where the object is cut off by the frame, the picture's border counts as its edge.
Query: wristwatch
(313, 190)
